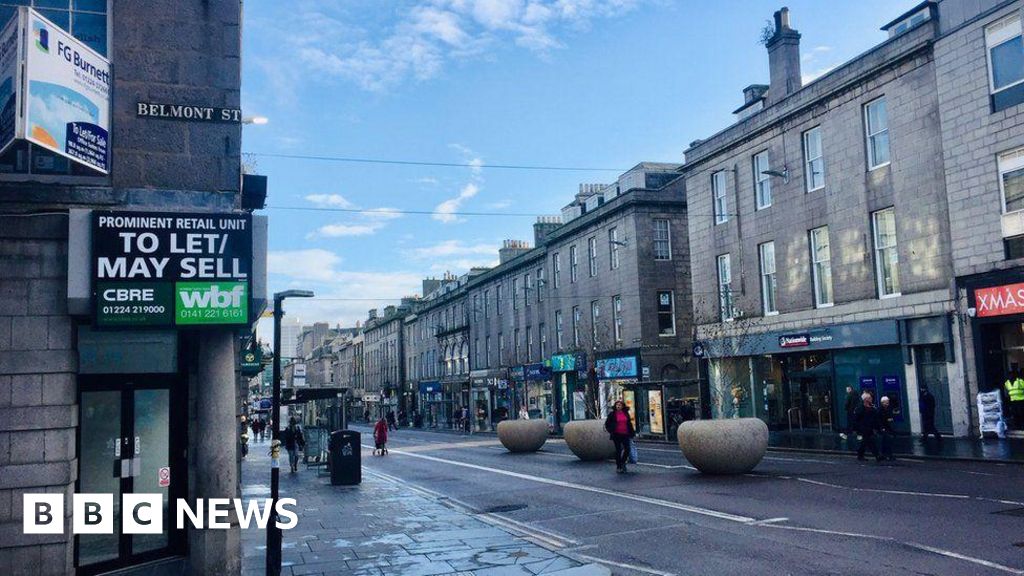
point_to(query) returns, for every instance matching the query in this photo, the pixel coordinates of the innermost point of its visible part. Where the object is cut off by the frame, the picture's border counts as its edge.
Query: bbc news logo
(143, 513)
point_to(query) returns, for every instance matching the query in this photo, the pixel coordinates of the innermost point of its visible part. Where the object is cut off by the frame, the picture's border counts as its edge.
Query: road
(794, 514)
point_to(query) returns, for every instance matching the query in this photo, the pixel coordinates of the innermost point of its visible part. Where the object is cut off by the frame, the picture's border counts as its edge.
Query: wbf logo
(211, 302)
(42, 36)
(211, 296)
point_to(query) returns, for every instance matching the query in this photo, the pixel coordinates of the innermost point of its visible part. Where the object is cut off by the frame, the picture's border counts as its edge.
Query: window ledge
(882, 165)
(888, 296)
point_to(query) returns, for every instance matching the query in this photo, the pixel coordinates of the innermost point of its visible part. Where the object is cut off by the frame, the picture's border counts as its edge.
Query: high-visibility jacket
(1015, 389)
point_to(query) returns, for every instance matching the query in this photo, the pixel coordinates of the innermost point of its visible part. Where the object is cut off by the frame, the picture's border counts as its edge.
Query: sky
(601, 84)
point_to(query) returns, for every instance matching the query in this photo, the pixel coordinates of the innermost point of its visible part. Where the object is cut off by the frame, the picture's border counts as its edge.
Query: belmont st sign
(171, 269)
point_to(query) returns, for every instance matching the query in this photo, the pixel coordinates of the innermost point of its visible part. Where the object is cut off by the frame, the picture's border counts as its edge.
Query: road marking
(768, 521)
(523, 529)
(583, 488)
(809, 460)
(622, 565)
(922, 547)
(717, 514)
(448, 445)
(882, 491)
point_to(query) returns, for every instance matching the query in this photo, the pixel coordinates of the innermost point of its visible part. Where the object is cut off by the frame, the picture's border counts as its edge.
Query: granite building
(158, 406)
(821, 239)
(980, 88)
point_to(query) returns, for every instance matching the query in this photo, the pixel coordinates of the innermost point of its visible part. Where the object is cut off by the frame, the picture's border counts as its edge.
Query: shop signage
(251, 361)
(188, 112)
(536, 372)
(563, 363)
(619, 367)
(999, 300)
(371, 398)
(698, 349)
(164, 269)
(794, 340)
(867, 384)
(430, 387)
(54, 91)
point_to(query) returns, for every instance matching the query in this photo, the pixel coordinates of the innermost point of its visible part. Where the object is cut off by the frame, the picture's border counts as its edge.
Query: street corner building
(865, 229)
(131, 271)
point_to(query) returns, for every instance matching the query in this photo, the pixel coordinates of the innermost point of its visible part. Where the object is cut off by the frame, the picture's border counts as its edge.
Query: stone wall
(38, 402)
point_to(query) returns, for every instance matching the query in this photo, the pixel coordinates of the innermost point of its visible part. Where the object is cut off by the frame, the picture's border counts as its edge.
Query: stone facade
(975, 132)
(903, 71)
(168, 52)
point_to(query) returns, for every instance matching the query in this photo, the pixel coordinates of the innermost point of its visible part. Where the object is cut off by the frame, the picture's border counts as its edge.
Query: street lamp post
(273, 531)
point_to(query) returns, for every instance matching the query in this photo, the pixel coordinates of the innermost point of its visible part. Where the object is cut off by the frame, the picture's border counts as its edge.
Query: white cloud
(382, 213)
(342, 296)
(312, 264)
(445, 211)
(329, 200)
(812, 60)
(341, 230)
(424, 35)
(453, 248)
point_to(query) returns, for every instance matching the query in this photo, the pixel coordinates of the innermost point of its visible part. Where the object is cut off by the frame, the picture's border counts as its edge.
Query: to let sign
(171, 269)
(1000, 300)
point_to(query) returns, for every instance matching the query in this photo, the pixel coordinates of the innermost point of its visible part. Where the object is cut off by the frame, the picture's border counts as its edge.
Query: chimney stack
(512, 248)
(543, 228)
(783, 59)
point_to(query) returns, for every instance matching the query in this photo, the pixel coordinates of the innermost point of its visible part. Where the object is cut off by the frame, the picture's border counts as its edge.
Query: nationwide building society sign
(54, 91)
(160, 269)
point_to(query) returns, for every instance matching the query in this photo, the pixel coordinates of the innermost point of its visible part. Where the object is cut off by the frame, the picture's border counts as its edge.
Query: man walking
(851, 406)
(293, 442)
(927, 404)
(866, 424)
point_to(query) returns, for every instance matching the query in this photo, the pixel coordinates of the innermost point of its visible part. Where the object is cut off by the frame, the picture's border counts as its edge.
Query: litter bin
(345, 459)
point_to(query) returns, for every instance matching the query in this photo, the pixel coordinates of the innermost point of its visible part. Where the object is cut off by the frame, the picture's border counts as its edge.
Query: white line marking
(627, 566)
(809, 460)
(881, 491)
(768, 521)
(922, 547)
(581, 487)
(557, 540)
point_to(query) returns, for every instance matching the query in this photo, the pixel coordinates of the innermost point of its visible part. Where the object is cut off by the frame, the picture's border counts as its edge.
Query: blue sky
(591, 83)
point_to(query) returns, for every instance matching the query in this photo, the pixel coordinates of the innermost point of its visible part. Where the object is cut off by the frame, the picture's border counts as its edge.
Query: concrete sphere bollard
(588, 440)
(733, 446)
(523, 435)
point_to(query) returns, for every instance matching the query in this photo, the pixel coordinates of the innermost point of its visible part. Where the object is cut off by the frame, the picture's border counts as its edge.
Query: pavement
(795, 513)
(384, 527)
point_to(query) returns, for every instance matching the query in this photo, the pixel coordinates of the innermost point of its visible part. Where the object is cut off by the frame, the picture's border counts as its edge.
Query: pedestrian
(866, 424)
(852, 401)
(926, 402)
(293, 442)
(465, 419)
(402, 418)
(391, 419)
(1014, 386)
(620, 428)
(887, 424)
(524, 414)
(366, 415)
(380, 437)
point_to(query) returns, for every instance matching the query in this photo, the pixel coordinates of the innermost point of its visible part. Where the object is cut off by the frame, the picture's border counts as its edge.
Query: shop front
(537, 394)
(435, 410)
(996, 307)
(797, 381)
(491, 399)
(569, 396)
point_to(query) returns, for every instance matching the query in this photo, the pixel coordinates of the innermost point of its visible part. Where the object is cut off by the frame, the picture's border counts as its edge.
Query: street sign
(163, 269)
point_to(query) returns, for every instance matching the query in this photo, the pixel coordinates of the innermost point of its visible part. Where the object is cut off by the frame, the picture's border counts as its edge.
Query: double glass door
(125, 446)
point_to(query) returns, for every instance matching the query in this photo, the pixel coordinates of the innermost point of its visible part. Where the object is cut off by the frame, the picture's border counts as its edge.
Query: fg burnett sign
(54, 91)
(153, 269)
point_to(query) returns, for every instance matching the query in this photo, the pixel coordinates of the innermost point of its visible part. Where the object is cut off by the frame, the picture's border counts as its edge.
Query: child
(380, 437)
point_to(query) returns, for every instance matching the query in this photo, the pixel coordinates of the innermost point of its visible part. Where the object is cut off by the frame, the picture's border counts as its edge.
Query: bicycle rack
(821, 423)
(799, 418)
